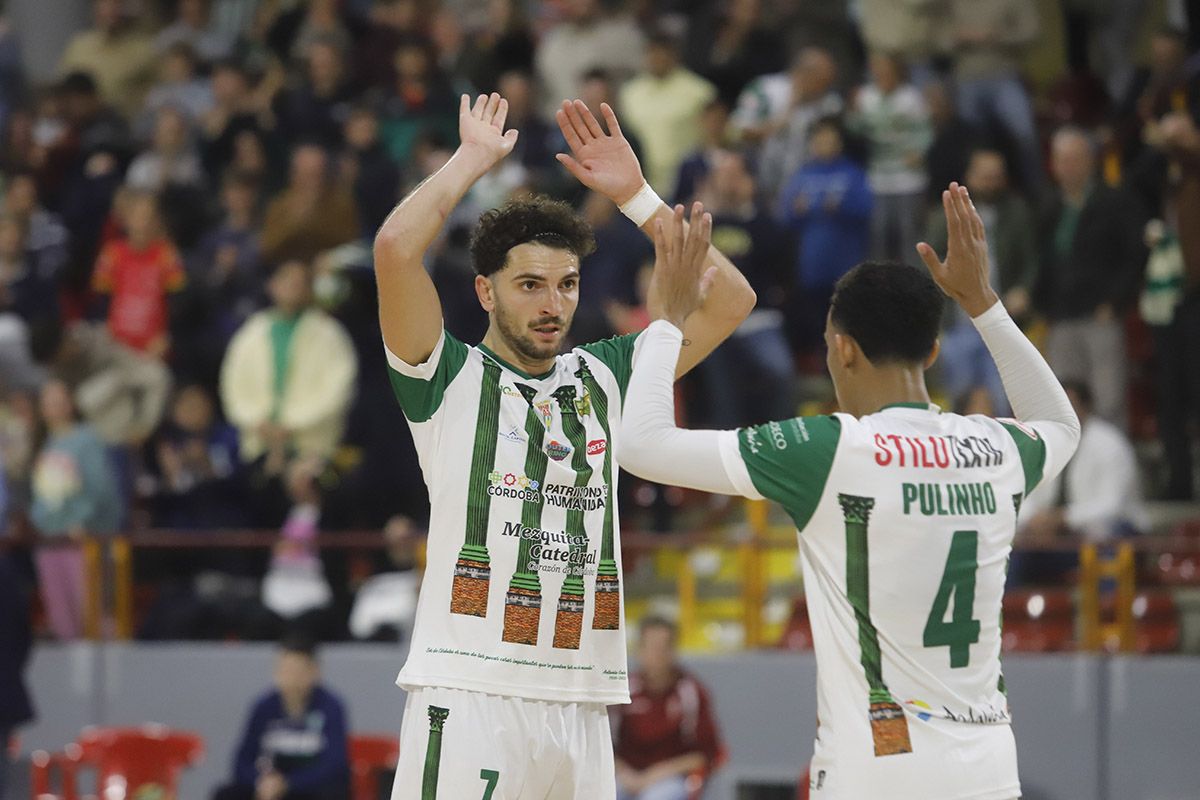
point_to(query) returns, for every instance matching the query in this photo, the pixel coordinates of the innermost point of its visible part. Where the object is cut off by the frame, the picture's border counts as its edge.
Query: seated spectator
(24, 290)
(312, 214)
(192, 27)
(714, 123)
(235, 110)
(121, 392)
(385, 605)
(827, 203)
(74, 496)
(294, 746)
(891, 114)
(954, 139)
(138, 271)
(963, 362)
(668, 732)
(367, 167)
(286, 384)
(16, 642)
(115, 53)
(47, 239)
(421, 100)
(504, 44)
(537, 141)
(733, 44)
(317, 106)
(171, 160)
(197, 465)
(179, 86)
(662, 104)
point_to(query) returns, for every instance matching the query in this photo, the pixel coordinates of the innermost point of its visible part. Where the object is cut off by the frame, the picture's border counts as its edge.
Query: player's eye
(570, 284)
(529, 286)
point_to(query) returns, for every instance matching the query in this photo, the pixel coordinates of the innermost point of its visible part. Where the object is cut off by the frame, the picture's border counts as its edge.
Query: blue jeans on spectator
(667, 789)
(964, 364)
(1001, 101)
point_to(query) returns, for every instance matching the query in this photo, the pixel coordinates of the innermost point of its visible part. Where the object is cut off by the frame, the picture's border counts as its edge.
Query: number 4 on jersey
(958, 581)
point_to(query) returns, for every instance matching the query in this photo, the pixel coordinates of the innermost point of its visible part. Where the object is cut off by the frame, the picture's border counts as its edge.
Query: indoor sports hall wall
(1088, 727)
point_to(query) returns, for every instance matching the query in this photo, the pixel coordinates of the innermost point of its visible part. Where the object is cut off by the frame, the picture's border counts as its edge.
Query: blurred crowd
(188, 334)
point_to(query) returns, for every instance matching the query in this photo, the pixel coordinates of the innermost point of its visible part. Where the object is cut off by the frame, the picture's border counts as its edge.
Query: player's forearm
(413, 225)
(651, 446)
(1033, 391)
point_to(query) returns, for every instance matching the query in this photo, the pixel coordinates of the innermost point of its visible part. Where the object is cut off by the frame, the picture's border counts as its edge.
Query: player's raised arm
(410, 313)
(1036, 396)
(604, 162)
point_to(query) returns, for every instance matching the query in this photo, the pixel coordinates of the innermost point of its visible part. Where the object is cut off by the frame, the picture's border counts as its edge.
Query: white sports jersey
(906, 521)
(521, 594)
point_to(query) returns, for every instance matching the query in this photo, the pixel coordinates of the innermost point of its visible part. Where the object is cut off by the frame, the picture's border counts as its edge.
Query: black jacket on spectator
(16, 638)
(1106, 259)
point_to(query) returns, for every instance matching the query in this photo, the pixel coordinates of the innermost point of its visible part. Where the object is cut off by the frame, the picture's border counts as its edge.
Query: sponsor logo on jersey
(596, 446)
(513, 436)
(923, 714)
(775, 429)
(513, 481)
(557, 450)
(936, 452)
(751, 437)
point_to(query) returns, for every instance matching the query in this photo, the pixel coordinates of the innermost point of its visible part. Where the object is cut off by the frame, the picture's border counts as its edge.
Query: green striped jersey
(906, 521)
(521, 594)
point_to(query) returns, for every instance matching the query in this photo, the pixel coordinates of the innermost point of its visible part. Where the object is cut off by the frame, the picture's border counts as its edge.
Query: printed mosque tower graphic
(523, 602)
(889, 727)
(607, 616)
(568, 624)
(472, 570)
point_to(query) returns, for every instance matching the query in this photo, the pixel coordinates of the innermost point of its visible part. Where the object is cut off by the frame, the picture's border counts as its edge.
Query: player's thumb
(572, 166)
(929, 257)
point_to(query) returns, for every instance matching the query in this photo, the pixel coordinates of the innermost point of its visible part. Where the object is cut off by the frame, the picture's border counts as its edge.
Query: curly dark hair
(541, 219)
(893, 311)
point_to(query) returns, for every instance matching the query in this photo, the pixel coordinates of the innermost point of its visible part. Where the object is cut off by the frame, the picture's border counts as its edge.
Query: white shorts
(461, 745)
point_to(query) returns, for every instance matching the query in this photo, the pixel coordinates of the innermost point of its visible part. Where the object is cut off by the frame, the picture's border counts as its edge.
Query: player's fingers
(464, 105)
(699, 233)
(573, 166)
(493, 104)
(610, 120)
(589, 119)
(568, 130)
(501, 114)
(581, 128)
(480, 105)
(660, 242)
(973, 215)
(678, 232)
(954, 222)
(510, 139)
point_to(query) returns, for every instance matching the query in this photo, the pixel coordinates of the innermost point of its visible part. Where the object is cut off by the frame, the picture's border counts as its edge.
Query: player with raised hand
(906, 514)
(518, 643)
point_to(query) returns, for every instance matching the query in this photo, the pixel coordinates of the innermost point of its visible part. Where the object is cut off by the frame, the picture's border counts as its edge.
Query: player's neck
(493, 341)
(889, 386)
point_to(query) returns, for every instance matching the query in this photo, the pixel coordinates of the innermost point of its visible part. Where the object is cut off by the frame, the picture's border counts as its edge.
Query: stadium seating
(370, 755)
(140, 763)
(1038, 620)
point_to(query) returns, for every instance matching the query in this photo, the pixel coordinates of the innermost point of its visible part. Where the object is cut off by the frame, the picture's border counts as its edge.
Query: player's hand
(481, 129)
(603, 162)
(680, 259)
(963, 276)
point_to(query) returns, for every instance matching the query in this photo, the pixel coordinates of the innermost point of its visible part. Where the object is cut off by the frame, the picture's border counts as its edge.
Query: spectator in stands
(668, 733)
(314, 213)
(286, 384)
(197, 466)
(24, 290)
(1092, 255)
(193, 27)
(16, 642)
(74, 496)
(954, 139)
(422, 100)
(811, 97)
(47, 239)
(366, 165)
(387, 25)
(180, 87)
(385, 605)
(909, 31)
(827, 204)
(662, 106)
(891, 114)
(714, 139)
(316, 108)
(537, 140)
(963, 361)
(1097, 496)
(235, 110)
(990, 40)
(591, 37)
(749, 377)
(171, 160)
(732, 44)
(138, 271)
(116, 54)
(294, 746)
(504, 44)
(293, 30)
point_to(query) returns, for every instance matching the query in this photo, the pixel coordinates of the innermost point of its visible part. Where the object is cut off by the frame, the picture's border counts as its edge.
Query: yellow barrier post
(93, 588)
(753, 589)
(122, 555)
(1095, 633)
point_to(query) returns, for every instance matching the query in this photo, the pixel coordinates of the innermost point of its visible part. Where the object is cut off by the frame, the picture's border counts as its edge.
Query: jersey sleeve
(1031, 447)
(419, 389)
(616, 354)
(789, 462)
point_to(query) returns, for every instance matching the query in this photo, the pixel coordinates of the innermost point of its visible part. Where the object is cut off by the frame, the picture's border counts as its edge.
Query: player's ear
(934, 353)
(486, 292)
(848, 352)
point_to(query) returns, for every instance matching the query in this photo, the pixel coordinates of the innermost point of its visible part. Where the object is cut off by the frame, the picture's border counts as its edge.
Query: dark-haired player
(906, 514)
(518, 643)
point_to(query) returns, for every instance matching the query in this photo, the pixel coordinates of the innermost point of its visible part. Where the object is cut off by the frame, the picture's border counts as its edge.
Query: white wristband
(642, 206)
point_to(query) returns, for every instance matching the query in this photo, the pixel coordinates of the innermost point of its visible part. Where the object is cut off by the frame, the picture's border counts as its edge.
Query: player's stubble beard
(517, 335)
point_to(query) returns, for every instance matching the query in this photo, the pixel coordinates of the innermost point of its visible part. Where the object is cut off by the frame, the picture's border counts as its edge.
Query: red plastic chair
(142, 763)
(1038, 620)
(371, 754)
(802, 785)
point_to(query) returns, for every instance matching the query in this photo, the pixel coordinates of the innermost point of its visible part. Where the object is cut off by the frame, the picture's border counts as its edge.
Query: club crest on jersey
(557, 450)
(546, 409)
(596, 446)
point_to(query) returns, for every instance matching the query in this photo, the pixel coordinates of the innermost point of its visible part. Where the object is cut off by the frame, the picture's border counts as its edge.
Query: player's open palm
(603, 162)
(481, 127)
(681, 270)
(963, 275)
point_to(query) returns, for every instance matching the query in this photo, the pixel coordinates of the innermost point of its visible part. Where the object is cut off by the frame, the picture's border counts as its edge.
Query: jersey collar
(919, 406)
(517, 370)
